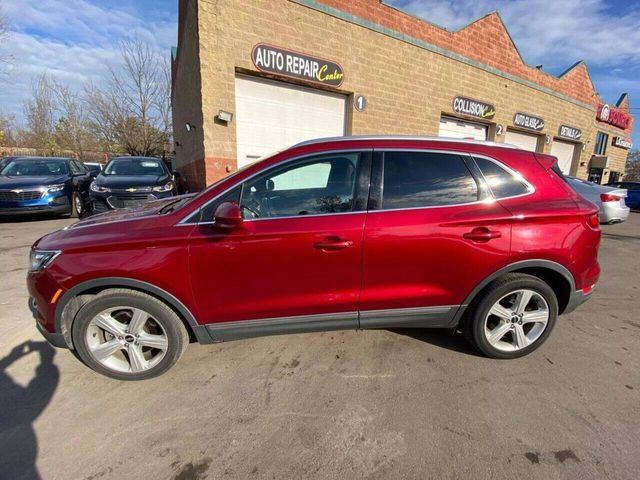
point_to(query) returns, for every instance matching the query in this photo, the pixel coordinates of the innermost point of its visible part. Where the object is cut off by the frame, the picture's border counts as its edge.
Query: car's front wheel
(514, 316)
(128, 335)
(77, 205)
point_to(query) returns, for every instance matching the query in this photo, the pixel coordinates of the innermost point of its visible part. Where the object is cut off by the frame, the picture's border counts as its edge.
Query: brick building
(251, 77)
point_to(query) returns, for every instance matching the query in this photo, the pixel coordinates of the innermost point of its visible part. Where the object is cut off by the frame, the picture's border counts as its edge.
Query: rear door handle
(333, 243)
(481, 234)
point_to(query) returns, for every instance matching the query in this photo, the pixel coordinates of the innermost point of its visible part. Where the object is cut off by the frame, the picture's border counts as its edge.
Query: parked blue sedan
(44, 185)
(633, 193)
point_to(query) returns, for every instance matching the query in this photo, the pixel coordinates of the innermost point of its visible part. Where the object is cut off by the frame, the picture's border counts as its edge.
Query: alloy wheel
(78, 204)
(517, 320)
(126, 339)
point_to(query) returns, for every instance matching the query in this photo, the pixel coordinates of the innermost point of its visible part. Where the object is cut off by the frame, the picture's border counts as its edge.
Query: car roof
(348, 138)
(41, 158)
(126, 157)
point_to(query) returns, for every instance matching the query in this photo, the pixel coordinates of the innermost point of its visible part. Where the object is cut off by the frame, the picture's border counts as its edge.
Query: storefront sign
(296, 65)
(622, 142)
(572, 133)
(473, 107)
(528, 121)
(613, 117)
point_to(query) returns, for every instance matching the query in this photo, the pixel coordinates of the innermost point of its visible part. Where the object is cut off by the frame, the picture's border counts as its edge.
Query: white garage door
(272, 115)
(563, 151)
(522, 140)
(452, 128)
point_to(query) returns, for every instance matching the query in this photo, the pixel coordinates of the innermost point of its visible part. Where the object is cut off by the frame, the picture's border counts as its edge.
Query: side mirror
(228, 216)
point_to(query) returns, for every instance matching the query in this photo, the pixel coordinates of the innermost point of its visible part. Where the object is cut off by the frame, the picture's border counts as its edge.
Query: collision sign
(292, 64)
(474, 108)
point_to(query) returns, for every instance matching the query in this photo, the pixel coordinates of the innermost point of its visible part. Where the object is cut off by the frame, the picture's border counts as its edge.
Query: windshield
(134, 167)
(35, 168)
(95, 169)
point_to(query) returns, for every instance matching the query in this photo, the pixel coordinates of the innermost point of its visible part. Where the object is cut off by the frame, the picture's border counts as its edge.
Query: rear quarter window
(502, 182)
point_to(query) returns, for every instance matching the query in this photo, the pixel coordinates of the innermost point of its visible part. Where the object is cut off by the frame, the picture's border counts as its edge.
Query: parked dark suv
(127, 182)
(344, 233)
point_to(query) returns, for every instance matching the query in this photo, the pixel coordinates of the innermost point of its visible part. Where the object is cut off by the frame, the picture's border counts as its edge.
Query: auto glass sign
(528, 121)
(474, 108)
(572, 133)
(291, 64)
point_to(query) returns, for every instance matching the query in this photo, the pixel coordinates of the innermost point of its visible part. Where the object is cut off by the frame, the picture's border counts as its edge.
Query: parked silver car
(610, 201)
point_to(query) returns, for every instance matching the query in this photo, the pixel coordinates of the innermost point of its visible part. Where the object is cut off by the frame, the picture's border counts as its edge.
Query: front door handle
(481, 234)
(333, 243)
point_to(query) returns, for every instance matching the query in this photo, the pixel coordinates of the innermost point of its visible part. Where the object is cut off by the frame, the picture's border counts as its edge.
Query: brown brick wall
(408, 88)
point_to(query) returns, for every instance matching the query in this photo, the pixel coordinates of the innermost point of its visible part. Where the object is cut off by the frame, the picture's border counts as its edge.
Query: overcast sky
(74, 39)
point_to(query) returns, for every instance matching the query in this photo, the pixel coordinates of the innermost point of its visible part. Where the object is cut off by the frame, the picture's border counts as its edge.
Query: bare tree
(133, 109)
(632, 172)
(8, 130)
(40, 115)
(71, 131)
(5, 57)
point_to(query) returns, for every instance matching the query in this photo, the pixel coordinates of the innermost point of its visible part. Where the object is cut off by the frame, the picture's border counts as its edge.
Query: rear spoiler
(547, 161)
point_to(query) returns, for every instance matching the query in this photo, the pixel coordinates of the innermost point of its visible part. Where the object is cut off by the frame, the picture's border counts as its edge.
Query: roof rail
(348, 138)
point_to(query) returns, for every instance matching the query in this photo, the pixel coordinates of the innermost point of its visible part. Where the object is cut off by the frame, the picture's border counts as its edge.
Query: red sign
(613, 117)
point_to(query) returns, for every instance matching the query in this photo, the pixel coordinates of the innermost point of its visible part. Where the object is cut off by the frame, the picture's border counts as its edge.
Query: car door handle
(481, 234)
(333, 243)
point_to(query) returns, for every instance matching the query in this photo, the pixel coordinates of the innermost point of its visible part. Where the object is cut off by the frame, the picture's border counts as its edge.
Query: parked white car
(610, 200)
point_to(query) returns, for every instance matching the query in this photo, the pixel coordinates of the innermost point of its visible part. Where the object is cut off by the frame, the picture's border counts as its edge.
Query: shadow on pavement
(442, 338)
(20, 406)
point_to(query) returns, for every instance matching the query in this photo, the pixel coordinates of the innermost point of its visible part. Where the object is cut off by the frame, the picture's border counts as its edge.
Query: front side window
(422, 179)
(601, 143)
(74, 168)
(312, 186)
(501, 182)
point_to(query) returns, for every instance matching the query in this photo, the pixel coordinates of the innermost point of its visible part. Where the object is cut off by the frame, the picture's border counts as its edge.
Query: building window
(614, 177)
(601, 143)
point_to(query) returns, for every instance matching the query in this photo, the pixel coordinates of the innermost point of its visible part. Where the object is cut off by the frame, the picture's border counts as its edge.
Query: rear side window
(502, 182)
(421, 179)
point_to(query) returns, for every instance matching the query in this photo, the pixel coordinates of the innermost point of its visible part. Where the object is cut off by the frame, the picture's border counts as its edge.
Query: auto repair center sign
(296, 65)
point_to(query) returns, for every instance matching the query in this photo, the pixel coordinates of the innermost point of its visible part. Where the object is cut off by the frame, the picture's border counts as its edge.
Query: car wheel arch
(558, 277)
(76, 297)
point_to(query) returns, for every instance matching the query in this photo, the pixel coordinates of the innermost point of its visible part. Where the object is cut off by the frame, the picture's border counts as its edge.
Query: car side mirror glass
(228, 216)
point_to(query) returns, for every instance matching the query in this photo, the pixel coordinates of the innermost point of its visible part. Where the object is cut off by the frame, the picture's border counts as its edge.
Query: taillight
(607, 197)
(593, 220)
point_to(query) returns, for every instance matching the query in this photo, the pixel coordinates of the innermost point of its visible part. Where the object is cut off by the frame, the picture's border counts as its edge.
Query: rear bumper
(576, 299)
(614, 214)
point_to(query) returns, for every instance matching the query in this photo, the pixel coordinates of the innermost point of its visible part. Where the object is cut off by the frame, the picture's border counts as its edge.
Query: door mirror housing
(228, 216)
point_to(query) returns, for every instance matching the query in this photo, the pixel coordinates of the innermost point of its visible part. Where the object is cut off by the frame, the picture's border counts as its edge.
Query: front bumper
(55, 339)
(50, 203)
(102, 202)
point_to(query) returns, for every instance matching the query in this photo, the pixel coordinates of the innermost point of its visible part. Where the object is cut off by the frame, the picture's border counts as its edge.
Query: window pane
(417, 179)
(323, 184)
(502, 182)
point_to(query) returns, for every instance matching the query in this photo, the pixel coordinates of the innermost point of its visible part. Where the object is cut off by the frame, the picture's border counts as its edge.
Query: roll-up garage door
(273, 115)
(522, 140)
(452, 128)
(563, 151)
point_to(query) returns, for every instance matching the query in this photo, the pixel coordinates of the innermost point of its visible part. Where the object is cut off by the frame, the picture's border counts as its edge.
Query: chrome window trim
(530, 187)
(183, 221)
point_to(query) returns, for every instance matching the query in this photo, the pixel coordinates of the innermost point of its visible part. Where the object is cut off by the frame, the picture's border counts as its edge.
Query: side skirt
(423, 317)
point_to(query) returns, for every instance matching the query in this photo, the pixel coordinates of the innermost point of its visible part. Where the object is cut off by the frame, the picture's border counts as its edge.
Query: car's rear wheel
(514, 317)
(128, 335)
(77, 205)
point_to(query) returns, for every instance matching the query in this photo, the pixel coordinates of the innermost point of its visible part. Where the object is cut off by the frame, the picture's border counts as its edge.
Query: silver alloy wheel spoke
(537, 316)
(136, 358)
(106, 322)
(520, 338)
(106, 349)
(499, 311)
(524, 297)
(138, 319)
(498, 332)
(153, 341)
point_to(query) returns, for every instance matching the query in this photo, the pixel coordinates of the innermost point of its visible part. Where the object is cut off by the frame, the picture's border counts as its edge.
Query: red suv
(345, 233)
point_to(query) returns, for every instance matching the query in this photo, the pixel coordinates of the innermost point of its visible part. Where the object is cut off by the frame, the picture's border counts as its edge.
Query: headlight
(97, 188)
(41, 259)
(55, 188)
(164, 188)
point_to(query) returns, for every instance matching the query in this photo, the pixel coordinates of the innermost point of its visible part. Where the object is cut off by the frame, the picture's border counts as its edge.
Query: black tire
(77, 205)
(480, 307)
(173, 328)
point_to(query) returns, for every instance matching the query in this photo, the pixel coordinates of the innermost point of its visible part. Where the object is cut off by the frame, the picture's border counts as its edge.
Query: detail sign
(612, 117)
(528, 121)
(572, 133)
(297, 65)
(474, 108)
(622, 142)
